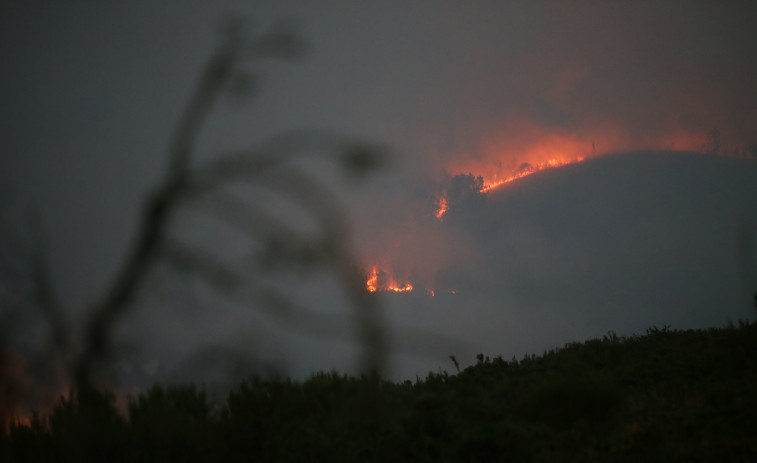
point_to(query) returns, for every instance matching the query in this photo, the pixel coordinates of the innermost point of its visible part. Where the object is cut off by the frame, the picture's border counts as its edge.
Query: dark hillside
(665, 396)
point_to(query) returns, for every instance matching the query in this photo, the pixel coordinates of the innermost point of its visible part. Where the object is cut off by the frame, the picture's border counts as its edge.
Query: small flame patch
(442, 206)
(379, 280)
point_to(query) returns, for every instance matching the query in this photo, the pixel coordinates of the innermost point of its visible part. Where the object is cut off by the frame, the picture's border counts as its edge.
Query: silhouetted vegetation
(665, 396)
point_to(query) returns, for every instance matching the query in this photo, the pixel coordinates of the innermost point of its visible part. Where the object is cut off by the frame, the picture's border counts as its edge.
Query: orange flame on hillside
(488, 161)
(379, 280)
(522, 148)
(526, 148)
(495, 181)
(526, 170)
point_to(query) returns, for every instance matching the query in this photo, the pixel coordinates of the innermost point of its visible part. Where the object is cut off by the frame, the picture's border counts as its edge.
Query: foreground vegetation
(665, 396)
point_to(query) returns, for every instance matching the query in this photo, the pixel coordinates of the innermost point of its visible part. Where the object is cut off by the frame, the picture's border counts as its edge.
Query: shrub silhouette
(569, 404)
(562, 401)
(172, 423)
(87, 427)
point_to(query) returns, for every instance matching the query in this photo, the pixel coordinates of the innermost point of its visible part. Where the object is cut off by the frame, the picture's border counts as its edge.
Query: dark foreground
(665, 396)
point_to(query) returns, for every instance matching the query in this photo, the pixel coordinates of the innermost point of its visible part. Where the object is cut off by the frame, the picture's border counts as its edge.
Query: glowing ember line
(526, 171)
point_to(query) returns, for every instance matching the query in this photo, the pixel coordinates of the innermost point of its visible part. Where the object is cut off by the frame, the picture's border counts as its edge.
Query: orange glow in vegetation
(379, 280)
(525, 171)
(442, 206)
(372, 284)
(522, 148)
(482, 161)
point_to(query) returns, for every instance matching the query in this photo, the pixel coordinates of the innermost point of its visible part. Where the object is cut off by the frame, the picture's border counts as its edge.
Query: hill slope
(619, 242)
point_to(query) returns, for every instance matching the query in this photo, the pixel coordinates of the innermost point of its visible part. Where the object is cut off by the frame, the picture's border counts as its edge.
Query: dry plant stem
(334, 245)
(98, 330)
(181, 184)
(46, 299)
(336, 241)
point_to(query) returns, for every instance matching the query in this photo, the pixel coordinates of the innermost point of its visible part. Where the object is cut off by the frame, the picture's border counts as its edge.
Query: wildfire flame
(379, 280)
(536, 148)
(442, 206)
(487, 162)
(495, 181)
(525, 171)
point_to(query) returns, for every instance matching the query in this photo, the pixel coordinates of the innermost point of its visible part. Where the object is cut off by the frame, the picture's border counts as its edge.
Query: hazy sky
(90, 92)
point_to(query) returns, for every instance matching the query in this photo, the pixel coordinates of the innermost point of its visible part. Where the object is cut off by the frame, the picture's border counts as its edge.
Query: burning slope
(488, 184)
(618, 242)
(525, 170)
(473, 168)
(526, 147)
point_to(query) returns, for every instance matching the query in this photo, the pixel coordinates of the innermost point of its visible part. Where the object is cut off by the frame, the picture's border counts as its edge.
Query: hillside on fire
(615, 242)
(667, 395)
(247, 231)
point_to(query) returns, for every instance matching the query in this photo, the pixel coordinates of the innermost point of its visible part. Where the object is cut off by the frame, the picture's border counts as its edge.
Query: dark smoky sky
(91, 91)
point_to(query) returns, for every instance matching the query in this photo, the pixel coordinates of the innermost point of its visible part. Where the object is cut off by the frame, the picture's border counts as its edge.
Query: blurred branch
(234, 50)
(337, 246)
(30, 276)
(183, 183)
(244, 289)
(47, 301)
(334, 244)
(30, 309)
(246, 165)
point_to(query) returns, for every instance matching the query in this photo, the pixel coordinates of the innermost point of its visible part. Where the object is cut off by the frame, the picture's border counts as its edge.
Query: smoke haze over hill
(622, 243)
(90, 94)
